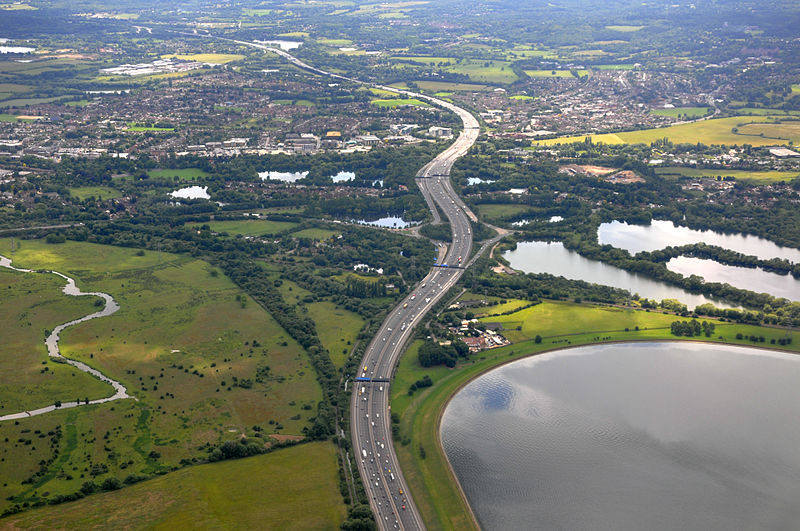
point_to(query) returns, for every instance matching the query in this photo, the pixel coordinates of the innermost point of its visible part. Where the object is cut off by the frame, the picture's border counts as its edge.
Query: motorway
(370, 424)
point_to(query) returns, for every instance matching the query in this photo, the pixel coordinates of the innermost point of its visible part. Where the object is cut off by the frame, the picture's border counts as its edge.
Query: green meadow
(204, 362)
(756, 177)
(98, 192)
(291, 488)
(678, 112)
(33, 304)
(183, 174)
(337, 329)
(249, 227)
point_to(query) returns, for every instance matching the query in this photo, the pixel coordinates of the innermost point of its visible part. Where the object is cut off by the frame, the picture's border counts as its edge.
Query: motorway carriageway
(370, 424)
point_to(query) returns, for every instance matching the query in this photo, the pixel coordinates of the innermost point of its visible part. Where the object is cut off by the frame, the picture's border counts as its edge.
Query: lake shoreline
(448, 399)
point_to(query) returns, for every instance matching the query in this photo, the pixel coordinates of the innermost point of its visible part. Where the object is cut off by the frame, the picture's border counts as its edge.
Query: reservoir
(388, 222)
(656, 436)
(191, 192)
(555, 259)
(753, 279)
(285, 176)
(660, 234)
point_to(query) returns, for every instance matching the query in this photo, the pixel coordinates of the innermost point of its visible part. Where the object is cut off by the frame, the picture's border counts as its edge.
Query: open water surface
(655, 436)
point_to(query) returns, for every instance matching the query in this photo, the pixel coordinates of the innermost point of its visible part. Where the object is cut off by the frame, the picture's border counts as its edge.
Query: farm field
(337, 329)
(399, 102)
(249, 227)
(786, 131)
(99, 192)
(295, 487)
(439, 501)
(452, 87)
(757, 177)
(478, 70)
(549, 73)
(715, 131)
(184, 174)
(614, 67)
(625, 29)
(679, 112)
(766, 112)
(204, 361)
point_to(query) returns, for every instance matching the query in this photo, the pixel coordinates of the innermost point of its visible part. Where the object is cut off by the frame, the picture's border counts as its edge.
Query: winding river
(53, 351)
(657, 436)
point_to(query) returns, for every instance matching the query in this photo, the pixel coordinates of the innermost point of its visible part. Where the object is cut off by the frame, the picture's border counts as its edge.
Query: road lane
(370, 425)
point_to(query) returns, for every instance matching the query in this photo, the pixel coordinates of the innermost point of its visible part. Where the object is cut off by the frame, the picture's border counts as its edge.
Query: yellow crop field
(748, 130)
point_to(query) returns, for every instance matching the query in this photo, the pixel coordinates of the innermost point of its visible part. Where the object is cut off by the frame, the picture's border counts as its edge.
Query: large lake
(655, 436)
(555, 259)
(753, 279)
(660, 234)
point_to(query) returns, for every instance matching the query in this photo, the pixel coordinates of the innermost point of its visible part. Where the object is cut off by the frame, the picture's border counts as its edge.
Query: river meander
(657, 436)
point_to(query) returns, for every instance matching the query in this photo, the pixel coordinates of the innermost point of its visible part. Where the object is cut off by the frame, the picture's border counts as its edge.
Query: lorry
(364, 453)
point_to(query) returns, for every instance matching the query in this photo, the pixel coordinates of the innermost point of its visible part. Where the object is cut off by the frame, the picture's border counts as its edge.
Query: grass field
(337, 329)
(213, 58)
(439, 500)
(477, 69)
(549, 73)
(33, 304)
(676, 112)
(22, 102)
(249, 227)
(614, 67)
(399, 102)
(766, 112)
(756, 177)
(291, 488)
(557, 319)
(786, 131)
(716, 131)
(98, 192)
(183, 174)
(452, 87)
(315, 234)
(625, 29)
(146, 128)
(493, 211)
(205, 362)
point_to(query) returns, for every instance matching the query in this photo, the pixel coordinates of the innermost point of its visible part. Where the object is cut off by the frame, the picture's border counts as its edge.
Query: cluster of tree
(724, 256)
(440, 231)
(692, 328)
(431, 353)
(420, 384)
(237, 449)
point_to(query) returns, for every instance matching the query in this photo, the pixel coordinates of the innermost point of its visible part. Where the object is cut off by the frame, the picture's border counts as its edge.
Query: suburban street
(390, 498)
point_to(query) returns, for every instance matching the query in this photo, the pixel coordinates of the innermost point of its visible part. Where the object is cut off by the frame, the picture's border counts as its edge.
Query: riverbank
(431, 478)
(110, 306)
